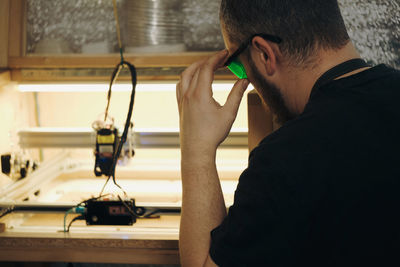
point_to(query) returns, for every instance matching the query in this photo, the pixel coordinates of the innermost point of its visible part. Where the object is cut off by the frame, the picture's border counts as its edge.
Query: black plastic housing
(113, 212)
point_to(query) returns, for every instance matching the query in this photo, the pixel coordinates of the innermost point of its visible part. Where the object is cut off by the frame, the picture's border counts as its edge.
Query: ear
(266, 54)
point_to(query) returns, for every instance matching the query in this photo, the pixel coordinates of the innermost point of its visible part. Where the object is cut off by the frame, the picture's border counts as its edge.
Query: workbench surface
(40, 238)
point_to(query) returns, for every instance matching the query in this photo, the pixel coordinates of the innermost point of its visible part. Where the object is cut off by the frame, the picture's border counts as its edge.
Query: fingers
(186, 78)
(194, 83)
(198, 77)
(178, 91)
(235, 96)
(211, 65)
(207, 70)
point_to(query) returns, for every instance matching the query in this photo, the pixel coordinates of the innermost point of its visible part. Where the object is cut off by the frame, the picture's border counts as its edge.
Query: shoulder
(381, 81)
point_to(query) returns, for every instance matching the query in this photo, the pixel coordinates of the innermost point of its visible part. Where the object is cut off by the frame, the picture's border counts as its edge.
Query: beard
(272, 96)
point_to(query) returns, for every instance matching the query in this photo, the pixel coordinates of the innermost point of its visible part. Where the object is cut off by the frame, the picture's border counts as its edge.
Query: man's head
(306, 27)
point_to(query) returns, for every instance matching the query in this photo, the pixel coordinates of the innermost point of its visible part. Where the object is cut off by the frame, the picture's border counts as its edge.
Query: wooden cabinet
(80, 67)
(4, 12)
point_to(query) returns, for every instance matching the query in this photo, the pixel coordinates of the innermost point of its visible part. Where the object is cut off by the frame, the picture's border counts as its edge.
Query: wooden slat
(4, 78)
(24, 20)
(16, 28)
(17, 76)
(94, 75)
(4, 17)
(89, 250)
(106, 61)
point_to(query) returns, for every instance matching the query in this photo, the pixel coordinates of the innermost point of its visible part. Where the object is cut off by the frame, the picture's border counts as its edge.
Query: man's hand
(204, 123)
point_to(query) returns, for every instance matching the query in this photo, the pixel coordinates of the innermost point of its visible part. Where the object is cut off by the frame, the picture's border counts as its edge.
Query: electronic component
(16, 165)
(6, 164)
(111, 212)
(106, 144)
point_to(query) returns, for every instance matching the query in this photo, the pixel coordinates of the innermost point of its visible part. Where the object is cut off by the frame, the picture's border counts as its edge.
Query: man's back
(324, 189)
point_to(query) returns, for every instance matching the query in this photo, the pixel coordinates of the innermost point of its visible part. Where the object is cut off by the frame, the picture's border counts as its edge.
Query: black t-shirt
(324, 189)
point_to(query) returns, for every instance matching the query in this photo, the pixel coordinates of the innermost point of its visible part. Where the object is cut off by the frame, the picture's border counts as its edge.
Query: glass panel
(87, 26)
(62, 26)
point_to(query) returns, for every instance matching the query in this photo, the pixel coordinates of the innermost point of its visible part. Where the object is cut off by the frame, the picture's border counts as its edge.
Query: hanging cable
(118, 29)
(114, 77)
(120, 66)
(132, 70)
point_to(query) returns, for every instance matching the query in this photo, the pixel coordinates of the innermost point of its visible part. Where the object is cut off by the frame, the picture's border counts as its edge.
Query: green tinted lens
(238, 69)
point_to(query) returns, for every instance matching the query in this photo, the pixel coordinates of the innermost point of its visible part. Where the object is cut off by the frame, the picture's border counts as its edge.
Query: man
(323, 190)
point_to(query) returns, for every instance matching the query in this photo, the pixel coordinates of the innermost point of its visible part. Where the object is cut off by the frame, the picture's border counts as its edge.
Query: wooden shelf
(149, 241)
(28, 75)
(4, 17)
(73, 68)
(106, 61)
(83, 67)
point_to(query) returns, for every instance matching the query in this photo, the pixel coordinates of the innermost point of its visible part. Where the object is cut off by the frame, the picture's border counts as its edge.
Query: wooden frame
(102, 74)
(18, 59)
(4, 18)
(17, 26)
(61, 68)
(106, 61)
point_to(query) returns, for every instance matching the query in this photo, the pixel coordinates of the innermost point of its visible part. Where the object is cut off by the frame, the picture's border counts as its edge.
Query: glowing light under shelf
(103, 87)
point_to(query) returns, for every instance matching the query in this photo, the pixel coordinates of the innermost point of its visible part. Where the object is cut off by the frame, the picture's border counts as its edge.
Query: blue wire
(65, 218)
(78, 209)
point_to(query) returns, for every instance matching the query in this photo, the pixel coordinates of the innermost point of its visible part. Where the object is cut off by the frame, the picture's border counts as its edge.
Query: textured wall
(202, 24)
(374, 25)
(77, 22)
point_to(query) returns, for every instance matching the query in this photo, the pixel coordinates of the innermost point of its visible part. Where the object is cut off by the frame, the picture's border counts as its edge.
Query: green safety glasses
(233, 63)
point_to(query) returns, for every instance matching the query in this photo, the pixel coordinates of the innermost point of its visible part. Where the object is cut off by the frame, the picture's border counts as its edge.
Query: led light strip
(103, 87)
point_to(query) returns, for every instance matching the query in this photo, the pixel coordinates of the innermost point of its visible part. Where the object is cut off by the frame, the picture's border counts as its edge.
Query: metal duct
(153, 26)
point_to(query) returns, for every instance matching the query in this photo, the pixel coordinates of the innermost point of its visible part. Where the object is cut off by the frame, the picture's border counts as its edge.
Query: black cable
(104, 186)
(132, 70)
(150, 214)
(113, 79)
(132, 212)
(137, 215)
(91, 199)
(115, 73)
(6, 211)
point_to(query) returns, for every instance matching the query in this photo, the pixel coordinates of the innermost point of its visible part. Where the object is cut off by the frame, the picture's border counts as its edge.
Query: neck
(297, 90)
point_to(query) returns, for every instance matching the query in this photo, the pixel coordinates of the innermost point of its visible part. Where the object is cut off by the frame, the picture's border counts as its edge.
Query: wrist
(190, 151)
(198, 155)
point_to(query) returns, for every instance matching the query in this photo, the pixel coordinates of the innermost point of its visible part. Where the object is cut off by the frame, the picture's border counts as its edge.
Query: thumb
(236, 95)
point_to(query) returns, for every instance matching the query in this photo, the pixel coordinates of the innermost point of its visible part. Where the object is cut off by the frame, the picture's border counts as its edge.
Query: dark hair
(303, 25)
